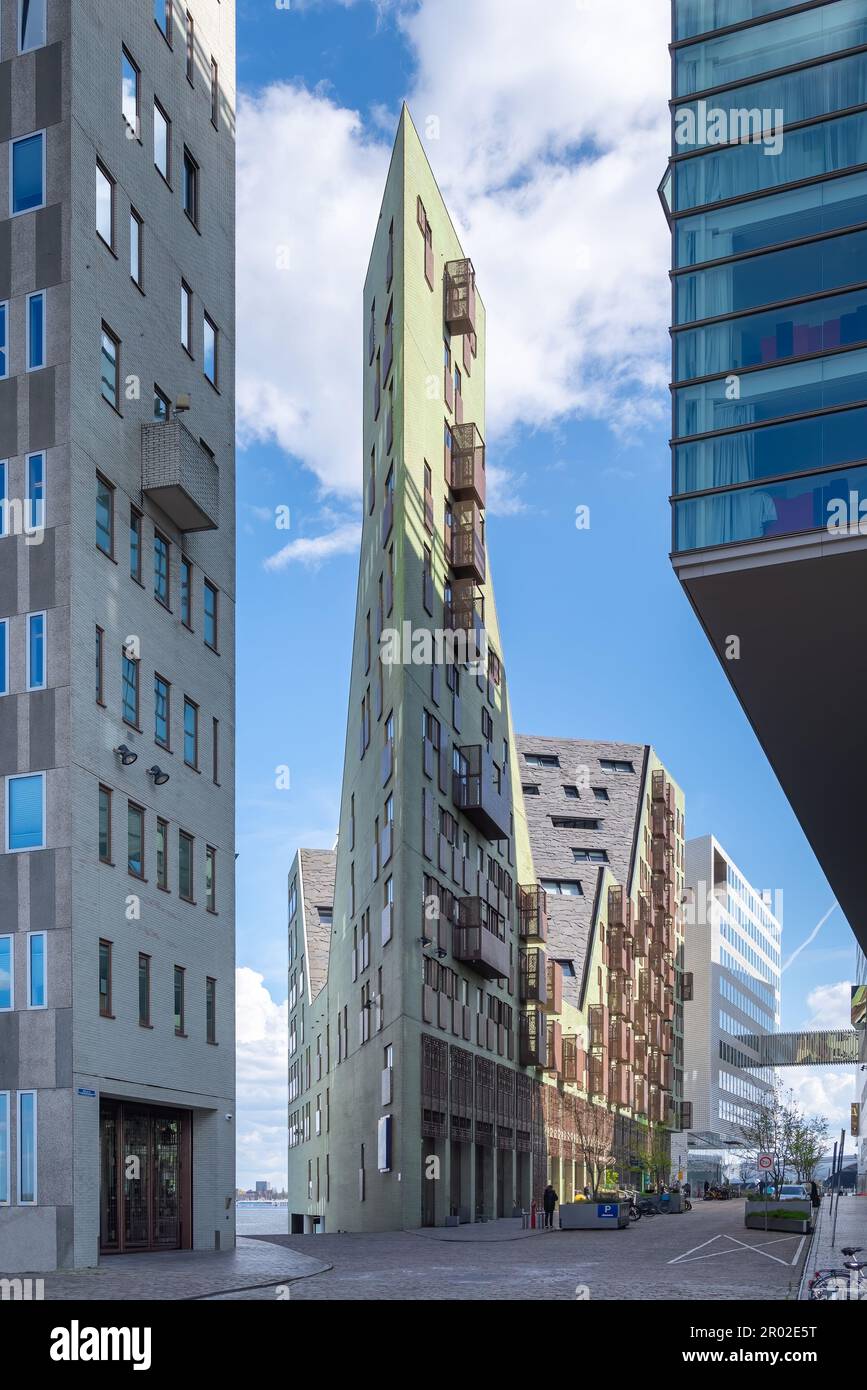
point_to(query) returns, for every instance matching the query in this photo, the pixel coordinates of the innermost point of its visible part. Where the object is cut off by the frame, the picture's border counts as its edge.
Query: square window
(25, 812)
(27, 174)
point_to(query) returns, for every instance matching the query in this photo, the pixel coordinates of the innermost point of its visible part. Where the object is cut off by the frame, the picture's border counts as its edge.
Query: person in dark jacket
(549, 1202)
(814, 1195)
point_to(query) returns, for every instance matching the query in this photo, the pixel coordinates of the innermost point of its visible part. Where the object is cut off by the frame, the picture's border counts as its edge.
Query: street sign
(766, 1162)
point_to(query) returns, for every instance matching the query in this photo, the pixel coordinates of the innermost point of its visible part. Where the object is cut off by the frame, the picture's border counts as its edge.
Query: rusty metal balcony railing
(555, 1047)
(533, 1039)
(467, 556)
(467, 467)
(460, 296)
(534, 977)
(555, 987)
(180, 476)
(598, 1015)
(532, 903)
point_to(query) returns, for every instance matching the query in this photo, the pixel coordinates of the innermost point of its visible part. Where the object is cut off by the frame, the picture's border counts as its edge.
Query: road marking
(797, 1254)
(709, 1241)
(690, 1256)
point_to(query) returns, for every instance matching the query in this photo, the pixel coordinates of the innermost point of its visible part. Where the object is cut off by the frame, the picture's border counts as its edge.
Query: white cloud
(824, 1091)
(262, 1081)
(343, 539)
(830, 1006)
(553, 136)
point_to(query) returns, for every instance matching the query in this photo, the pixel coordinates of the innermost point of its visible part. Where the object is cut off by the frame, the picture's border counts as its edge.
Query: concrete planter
(755, 1212)
(594, 1216)
(756, 1222)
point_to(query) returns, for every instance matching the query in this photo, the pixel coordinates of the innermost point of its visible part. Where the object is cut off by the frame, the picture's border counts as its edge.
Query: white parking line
(797, 1254)
(690, 1256)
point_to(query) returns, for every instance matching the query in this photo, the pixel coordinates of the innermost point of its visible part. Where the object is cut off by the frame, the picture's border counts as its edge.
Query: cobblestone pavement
(705, 1254)
(185, 1275)
(851, 1230)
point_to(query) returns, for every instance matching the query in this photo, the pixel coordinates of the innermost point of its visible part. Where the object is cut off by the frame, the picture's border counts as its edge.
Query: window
(35, 332)
(179, 1001)
(163, 18)
(105, 206)
(37, 970)
(162, 142)
(541, 760)
(162, 708)
(36, 672)
(186, 592)
(191, 48)
(210, 350)
(191, 733)
(571, 793)
(575, 823)
(210, 615)
(185, 866)
(215, 93)
(100, 666)
(27, 1190)
(590, 856)
(36, 489)
(105, 979)
(190, 190)
(4, 657)
(130, 87)
(4, 360)
(25, 812)
(210, 1010)
(27, 174)
(129, 689)
(104, 516)
(161, 569)
(105, 825)
(7, 990)
(31, 25)
(601, 793)
(144, 990)
(211, 879)
(135, 840)
(136, 248)
(215, 752)
(186, 318)
(615, 765)
(567, 888)
(135, 544)
(5, 1164)
(110, 373)
(162, 854)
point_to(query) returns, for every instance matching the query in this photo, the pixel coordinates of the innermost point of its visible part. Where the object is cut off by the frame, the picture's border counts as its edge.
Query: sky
(548, 137)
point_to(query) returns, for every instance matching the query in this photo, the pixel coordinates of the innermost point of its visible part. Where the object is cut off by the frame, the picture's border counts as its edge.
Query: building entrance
(145, 1173)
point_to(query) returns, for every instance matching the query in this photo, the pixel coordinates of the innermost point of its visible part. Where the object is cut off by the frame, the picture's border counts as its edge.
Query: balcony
(663, 894)
(479, 939)
(477, 790)
(467, 557)
(621, 1042)
(555, 1048)
(467, 468)
(599, 1074)
(534, 978)
(532, 912)
(619, 1000)
(533, 1039)
(460, 296)
(663, 932)
(619, 908)
(574, 1060)
(662, 823)
(662, 790)
(640, 1019)
(667, 1039)
(466, 611)
(639, 1096)
(598, 1015)
(180, 476)
(617, 952)
(555, 987)
(661, 857)
(620, 1092)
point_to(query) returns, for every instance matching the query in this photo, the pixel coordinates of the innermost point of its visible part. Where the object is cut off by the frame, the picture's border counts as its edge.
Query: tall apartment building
(116, 629)
(766, 193)
(732, 954)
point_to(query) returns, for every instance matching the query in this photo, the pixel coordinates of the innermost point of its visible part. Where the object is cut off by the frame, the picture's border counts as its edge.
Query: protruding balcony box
(662, 823)
(639, 1054)
(598, 1015)
(532, 912)
(466, 612)
(639, 939)
(663, 894)
(387, 515)
(599, 1073)
(621, 1041)
(661, 856)
(654, 1030)
(621, 1085)
(555, 987)
(574, 1060)
(619, 999)
(468, 542)
(617, 952)
(656, 958)
(534, 977)
(640, 1018)
(479, 939)
(555, 1047)
(180, 476)
(460, 297)
(467, 472)
(533, 1050)
(667, 1039)
(657, 1107)
(476, 793)
(657, 784)
(639, 1096)
(619, 908)
(668, 1004)
(663, 931)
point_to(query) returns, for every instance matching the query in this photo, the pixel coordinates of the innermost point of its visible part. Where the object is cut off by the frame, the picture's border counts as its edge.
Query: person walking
(815, 1199)
(549, 1202)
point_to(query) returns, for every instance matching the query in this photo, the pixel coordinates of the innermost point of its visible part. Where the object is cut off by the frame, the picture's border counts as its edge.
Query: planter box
(593, 1216)
(754, 1215)
(756, 1222)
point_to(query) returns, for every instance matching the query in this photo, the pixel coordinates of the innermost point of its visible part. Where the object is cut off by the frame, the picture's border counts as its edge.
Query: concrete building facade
(117, 623)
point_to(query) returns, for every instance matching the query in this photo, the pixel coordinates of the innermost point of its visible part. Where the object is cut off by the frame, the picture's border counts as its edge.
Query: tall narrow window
(163, 18)
(27, 1189)
(191, 47)
(215, 752)
(36, 490)
(186, 318)
(191, 188)
(129, 689)
(161, 711)
(179, 1001)
(161, 569)
(144, 990)
(105, 825)
(162, 142)
(191, 733)
(211, 879)
(104, 516)
(130, 86)
(36, 664)
(211, 364)
(210, 615)
(162, 854)
(7, 990)
(31, 25)
(162, 405)
(135, 840)
(135, 522)
(110, 367)
(37, 970)
(185, 866)
(186, 592)
(27, 174)
(105, 979)
(4, 657)
(211, 1010)
(215, 93)
(100, 666)
(25, 812)
(105, 206)
(4, 359)
(5, 1164)
(136, 248)
(35, 331)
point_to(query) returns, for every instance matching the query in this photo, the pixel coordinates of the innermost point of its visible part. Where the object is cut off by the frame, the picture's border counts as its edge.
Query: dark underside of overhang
(801, 678)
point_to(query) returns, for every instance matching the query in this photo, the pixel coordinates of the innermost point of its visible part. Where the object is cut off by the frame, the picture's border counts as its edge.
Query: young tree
(771, 1128)
(809, 1143)
(594, 1129)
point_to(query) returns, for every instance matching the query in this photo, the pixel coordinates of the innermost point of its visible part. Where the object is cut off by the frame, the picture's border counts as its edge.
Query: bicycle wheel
(831, 1287)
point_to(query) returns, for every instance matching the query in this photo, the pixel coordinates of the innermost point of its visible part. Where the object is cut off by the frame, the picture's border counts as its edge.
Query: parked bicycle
(841, 1285)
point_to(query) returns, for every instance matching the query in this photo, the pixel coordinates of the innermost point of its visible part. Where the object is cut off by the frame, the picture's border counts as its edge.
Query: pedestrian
(706, 1188)
(814, 1195)
(687, 1189)
(587, 1193)
(549, 1202)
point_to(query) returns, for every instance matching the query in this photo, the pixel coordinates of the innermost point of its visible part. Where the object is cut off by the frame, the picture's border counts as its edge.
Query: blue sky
(558, 208)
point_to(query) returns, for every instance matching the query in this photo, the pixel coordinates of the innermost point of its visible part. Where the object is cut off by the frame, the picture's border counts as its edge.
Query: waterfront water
(262, 1220)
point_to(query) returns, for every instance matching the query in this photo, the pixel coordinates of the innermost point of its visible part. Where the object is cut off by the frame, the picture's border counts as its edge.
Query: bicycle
(833, 1285)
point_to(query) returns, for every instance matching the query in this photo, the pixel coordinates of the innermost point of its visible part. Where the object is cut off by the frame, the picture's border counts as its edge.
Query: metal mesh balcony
(180, 476)
(460, 296)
